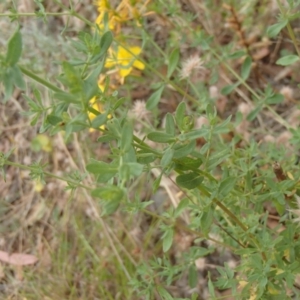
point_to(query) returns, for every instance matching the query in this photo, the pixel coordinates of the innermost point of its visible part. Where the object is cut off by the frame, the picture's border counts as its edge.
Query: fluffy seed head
(193, 63)
(139, 110)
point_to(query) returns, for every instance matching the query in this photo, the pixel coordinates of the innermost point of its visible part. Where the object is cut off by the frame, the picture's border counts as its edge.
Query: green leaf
(168, 239)
(195, 134)
(53, 119)
(101, 168)
(189, 181)
(246, 68)
(14, 49)
(280, 208)
(17, 77)
(145, 158)
(119, 103)
(206, 220)
(160, 137)
(188, 123)
(173, 61)
(108, 193)
(126, 137)
(236, 54)
(211, 288)
(252, 115)
(8, 83)
(163, 293)
(106, 138)
(114, 127)
(167, 157)
(183, 204)
(156, 183)
(99, 120)
(193, 276)
(105, 42)
(135, 169)
(124, 172)
(154, 98)
(179, 115)
(170, 124)
(66, 97)
(227, 185)
(185, 149)
(287, 60)
(275, 99)
(109, 207)
(226, 90)
(92, 81)
(188, 163)
(274, 29)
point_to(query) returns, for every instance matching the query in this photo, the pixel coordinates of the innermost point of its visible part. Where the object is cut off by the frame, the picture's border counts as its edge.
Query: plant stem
(29, 168)
(40, 80)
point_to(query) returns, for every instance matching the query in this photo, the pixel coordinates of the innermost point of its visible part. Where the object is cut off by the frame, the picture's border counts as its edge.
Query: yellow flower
(124, 60)
(115, 17)
(97, 106)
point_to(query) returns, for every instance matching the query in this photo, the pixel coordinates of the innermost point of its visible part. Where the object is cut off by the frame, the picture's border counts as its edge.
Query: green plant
(227, 179)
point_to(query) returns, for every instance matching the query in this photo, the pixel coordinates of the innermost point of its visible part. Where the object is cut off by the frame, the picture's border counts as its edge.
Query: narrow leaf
(227, 185)
(108, 193)
(100, 167)
(246, 68)
(18, 77)
(170, 124)
(168, 239)
(160, 137)
(105, 42)
(179, 115)
(154, 98)
(14, 49)
(275, 99)
(182, 150)
(188, 163)
(126, 137)
(274, 29)
(252, 115)
(183, 204)
(193, 276)
(99, 120)
(189, 181)
(173, 61)
(287, 60)
(167, 157)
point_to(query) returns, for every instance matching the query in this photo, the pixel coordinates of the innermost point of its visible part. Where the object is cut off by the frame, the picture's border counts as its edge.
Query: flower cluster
(122, 59)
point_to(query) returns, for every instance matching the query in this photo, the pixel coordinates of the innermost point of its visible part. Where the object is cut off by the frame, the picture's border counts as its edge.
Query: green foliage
(287, 60)
(173, 61)
(225, 178)
(155, 98)
(10, 73)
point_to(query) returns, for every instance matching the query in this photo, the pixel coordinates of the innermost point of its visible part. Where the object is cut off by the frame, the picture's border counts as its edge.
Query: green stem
(233, 218)
(289, 28)
(241, 80)
(40, 80)
(29, 168)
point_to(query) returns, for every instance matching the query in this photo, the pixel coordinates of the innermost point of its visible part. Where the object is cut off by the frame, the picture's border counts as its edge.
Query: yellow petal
(139, 65)
(123, 54)
(99, 20)
(38, 186)
(135, 50)
(125, 72)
